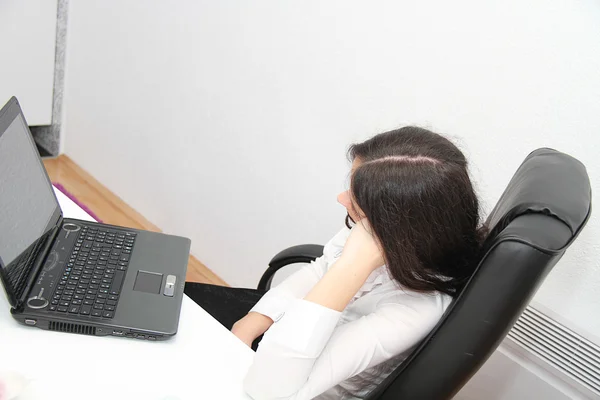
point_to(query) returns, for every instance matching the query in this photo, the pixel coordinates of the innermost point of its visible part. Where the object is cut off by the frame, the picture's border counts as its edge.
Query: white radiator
(559, 346)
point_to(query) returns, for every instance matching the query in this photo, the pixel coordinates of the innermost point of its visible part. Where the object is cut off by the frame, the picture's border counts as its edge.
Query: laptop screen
(27, 201)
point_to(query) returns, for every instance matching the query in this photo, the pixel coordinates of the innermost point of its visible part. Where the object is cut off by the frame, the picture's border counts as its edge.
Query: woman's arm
(360, 257)
(272, 305)
(303, 355)
(334, 291)
(333, 288)
(251, 326)
(339, 285)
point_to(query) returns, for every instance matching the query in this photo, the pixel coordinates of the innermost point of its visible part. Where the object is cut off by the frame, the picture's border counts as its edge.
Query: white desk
(203, 361)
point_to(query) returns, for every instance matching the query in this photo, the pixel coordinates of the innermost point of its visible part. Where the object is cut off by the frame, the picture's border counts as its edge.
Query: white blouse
(315, 352)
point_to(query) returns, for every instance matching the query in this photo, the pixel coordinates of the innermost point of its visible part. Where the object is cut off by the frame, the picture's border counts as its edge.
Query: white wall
(228, 121)
(28, 32)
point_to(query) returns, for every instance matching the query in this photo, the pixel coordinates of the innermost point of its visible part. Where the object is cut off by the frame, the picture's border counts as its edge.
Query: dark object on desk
(544, 208)
(77, 276)
(225, 304)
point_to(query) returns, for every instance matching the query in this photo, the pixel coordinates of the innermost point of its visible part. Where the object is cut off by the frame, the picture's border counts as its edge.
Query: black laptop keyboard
(92, 281)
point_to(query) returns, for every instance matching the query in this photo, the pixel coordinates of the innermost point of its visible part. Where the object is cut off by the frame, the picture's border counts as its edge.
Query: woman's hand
(361, 248)
(251, 326)
(361, 255)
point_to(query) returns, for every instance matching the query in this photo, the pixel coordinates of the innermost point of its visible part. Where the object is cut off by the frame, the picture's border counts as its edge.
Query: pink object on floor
(76, 201)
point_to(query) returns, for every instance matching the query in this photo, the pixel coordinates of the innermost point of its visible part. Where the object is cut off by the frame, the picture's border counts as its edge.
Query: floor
(111, 209)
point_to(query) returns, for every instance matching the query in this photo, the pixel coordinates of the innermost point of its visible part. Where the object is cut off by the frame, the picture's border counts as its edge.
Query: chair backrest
(543, 209)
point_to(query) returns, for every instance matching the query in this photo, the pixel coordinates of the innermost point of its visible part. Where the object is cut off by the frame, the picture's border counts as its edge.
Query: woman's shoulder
(403, 318)
(424, 306)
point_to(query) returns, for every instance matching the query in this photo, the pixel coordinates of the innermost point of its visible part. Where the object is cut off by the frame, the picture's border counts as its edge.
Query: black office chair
(545, 206)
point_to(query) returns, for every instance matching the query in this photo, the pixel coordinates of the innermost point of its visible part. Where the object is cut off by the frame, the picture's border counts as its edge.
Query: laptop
(76, 276)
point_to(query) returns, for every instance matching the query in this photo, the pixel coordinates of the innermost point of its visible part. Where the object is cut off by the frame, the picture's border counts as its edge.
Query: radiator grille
(72, 328)
(561, 347)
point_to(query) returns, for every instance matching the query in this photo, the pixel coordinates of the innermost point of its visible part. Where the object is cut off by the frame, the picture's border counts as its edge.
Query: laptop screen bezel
(8, 114)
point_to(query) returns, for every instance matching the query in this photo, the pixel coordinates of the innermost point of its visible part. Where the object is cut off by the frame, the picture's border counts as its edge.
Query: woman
(339, 326)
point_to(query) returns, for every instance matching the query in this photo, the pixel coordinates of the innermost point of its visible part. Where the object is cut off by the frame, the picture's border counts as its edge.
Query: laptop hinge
(38, 264)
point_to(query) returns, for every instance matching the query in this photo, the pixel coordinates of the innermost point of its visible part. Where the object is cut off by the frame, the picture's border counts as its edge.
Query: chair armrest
(303, 253)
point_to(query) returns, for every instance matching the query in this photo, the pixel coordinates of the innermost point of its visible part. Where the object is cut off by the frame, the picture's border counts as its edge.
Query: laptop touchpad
(148, 282)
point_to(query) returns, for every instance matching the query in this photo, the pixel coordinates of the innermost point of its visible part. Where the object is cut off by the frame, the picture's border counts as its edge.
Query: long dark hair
(413, 187)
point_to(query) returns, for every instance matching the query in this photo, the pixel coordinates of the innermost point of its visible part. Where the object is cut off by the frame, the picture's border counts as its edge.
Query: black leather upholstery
(550, 183)
(545, 206)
